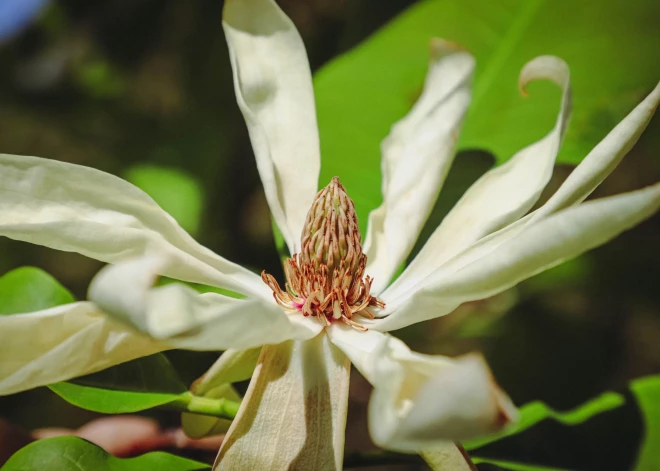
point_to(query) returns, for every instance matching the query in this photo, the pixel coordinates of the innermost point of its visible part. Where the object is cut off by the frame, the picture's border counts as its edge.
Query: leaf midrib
(520, 23)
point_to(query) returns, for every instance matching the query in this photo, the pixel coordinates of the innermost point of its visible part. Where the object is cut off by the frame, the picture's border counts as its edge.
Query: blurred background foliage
(142, 89)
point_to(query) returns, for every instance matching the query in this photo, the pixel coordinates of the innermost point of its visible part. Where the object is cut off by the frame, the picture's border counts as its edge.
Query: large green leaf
(130, 387)
(29, 289)
(534, 412)
(76, 454)
(175, 191)
(110, 401)
(609, 44)
(647, 393)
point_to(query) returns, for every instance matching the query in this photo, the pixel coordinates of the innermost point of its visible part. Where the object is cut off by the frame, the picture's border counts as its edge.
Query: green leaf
(175, 191)
(130, 387)
(28, 289)
(647, 393)
(534, 412)
(76, 454)
(362, 93)
(110, 401)
(514, 466)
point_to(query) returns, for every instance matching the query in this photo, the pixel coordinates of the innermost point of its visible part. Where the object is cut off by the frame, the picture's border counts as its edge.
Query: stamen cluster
(326, 280)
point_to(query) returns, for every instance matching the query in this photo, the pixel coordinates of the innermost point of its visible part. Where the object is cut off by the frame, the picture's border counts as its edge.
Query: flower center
(326, 279)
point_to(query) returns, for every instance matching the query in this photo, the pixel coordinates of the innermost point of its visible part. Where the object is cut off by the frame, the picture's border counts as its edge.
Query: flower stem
(450, 457)
(378, 458)
(221, 407)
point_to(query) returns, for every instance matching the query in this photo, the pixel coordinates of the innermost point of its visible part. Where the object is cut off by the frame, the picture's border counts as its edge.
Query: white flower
(294, 411)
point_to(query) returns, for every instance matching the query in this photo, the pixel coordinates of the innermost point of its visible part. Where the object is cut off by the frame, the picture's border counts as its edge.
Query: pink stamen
(298, 306)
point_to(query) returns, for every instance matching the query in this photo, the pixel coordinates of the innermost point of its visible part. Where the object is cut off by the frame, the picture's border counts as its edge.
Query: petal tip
(440, 47)
(543, 67)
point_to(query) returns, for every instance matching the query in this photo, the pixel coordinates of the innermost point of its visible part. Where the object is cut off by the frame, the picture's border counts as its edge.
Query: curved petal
(190, 320)
(80, 209)
(233, 365)
(63, 342)
(416, 157)
(294, 412)
(503, 194)
(274, 91)
(421, 401)
(600, 162)
(604, 158)
(477, 275)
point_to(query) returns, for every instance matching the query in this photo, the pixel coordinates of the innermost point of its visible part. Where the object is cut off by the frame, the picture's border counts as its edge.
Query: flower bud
(331, 234)
(326, 280)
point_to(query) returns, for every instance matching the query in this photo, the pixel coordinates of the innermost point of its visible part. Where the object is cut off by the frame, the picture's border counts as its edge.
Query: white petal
(478, 273)
(503, 194)
(232, 366)
(190, 320)
(63, 342)
(421, 401)
(416, 157)
(80, 209)
(294, 412)
(604, 158)
(600, 162)
(273, 86)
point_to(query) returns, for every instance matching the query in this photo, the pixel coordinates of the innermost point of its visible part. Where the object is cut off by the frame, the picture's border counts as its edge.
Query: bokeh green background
(142, 89)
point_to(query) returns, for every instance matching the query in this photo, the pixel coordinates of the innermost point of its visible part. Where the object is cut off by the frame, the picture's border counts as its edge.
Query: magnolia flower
(339, 301)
